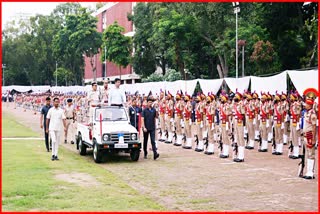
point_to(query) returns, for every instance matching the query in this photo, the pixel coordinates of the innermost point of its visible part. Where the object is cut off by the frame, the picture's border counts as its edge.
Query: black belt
(69, 118)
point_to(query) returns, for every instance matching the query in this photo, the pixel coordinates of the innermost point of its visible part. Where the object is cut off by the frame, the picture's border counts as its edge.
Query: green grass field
(11, 128)
(30, 180)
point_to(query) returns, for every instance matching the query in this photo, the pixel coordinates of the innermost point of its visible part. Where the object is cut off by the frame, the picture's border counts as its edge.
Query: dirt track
(190, 181)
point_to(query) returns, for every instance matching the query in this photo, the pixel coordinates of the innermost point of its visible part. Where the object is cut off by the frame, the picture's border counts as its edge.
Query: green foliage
(170, 76)
(63, 76)
(118, 46)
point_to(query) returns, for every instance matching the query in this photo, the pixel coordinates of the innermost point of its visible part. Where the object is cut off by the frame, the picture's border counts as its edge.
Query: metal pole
(105, 62)
(3, 67)
(236, 44)
(56, 73)
(243, 61)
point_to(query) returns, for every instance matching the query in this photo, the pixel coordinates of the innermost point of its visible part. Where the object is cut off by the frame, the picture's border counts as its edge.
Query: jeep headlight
(133, 136)
(106, 137)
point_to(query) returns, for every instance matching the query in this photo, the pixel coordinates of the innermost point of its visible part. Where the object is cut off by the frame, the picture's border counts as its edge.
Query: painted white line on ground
(22, 138)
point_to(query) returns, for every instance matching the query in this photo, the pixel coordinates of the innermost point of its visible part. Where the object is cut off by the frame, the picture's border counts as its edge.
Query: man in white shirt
(55, 120)
(116, 95)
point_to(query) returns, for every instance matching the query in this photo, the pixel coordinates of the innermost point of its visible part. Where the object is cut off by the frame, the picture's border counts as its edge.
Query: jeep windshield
(111, 114)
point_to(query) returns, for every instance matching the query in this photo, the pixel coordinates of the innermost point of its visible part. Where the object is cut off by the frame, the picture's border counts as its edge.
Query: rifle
(206, 142)
(197, 140)
(160, 132)
(220, 146)
(166, 134)
(184, 138)
(290, 148)
(175, 134)
(274, 140)
(260, 141)
(302, 163)
(235, 150)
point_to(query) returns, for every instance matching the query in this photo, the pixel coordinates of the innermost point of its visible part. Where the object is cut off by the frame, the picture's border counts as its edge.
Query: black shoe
(224, 156)
(208, 153)
(274, 153)
(293, 157)
(65, 141)
(278, 153)
(52, 158)
(285, 143)
(72, 142)
(175, 144)
(249, 147)
(156, 156)
(56, 158)
(308, 177)
(50, 148)
(262, 150)
(187, 147)
(269, 141)
(199, 150)
(238, 160)
(168, 142)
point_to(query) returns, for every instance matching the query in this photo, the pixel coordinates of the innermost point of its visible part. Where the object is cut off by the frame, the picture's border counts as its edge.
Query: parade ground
(180, 180)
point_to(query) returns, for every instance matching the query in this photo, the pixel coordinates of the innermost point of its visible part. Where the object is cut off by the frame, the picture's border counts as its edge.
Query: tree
(118, 46)
(63, 76)
(78, 37)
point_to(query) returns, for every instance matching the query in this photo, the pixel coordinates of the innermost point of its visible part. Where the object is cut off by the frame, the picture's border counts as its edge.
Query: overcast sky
(11, 9)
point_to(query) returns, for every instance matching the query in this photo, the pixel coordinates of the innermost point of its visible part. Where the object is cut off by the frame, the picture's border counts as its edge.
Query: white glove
(298, 126)
(282, 125)
(227, 126)
(267, 125)
(190, 122)
(212, 126)
(254, 121)
(201, 124)
(171, 120)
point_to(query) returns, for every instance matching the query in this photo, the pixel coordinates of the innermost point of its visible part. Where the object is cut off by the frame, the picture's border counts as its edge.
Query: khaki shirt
(310, 120)
(93, 97)
(69, 111)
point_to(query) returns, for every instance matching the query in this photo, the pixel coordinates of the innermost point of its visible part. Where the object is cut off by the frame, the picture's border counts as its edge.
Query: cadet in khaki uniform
(224, 112)
(295, 111)
(250, 116)
(210, 112)
(278, 125)
(286, 117)
(70, 114)
(162, 110)
(238, 112)
(187, 122)
(178, 108)
(270, 117)
(199, 124)
(169, 117)
(309, 131)
(256, 121)
(264, 109)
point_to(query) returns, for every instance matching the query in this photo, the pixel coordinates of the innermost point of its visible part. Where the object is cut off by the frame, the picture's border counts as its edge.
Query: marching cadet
(162, 110)
(295, 112)
(286, 117)
(224, 112)
(210, 113)
(187, 122)
(70, 114)
(169, 117)
(204, 118)
(270, 117)
(250, 116)
(238, 113)
(309, 130)
(93, 100)
(178, 108)
(199, 109)
(278, 125)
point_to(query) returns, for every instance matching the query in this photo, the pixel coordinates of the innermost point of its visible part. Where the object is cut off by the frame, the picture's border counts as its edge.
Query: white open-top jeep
(109, 131)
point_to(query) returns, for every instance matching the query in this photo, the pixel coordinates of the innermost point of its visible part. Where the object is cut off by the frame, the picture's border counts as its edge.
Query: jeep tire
(97, 154)
(82, 147)
(134, 154)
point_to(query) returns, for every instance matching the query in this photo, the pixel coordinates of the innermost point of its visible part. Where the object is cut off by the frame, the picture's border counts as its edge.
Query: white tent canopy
(212, 85)
(304, 79)
(241, 84)
(270, 84)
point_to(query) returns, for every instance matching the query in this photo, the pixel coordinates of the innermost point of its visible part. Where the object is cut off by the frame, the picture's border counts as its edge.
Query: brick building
(107, 15)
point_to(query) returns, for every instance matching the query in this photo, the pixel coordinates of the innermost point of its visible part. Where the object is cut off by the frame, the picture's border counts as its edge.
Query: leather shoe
(238, 160)
(293, 157)
(175, 144)
(249, 147)
(156, 156)
(224, 156)
(278, 153)
(56, 158)
(308, 177)
(52, 158)
(72, 142)
(187, 147)
(262, 150)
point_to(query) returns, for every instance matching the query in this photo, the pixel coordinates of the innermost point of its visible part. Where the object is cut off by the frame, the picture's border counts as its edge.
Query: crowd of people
(229, 123)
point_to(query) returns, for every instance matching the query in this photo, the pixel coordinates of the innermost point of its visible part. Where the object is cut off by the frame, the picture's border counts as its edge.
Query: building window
(104, 20)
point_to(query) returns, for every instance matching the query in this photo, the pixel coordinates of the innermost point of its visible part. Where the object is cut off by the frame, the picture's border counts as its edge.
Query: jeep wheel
(134, 154)
(82, 147)
(97, 154)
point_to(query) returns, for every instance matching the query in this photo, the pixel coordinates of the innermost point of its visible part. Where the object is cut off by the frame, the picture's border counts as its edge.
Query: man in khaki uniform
(169, 117)
(225, 125)
(278, 125)
(162, 111)
(264, 109)
(178, 109)
(93, 99)
(70, 114)
(270, 117)
(187, 122)
(210, 113)
(256, 121)
(286, 117)
(309, 130)
(105, 93)
(199, 109)
(250, 116)
(295, 111)
(238, 113)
